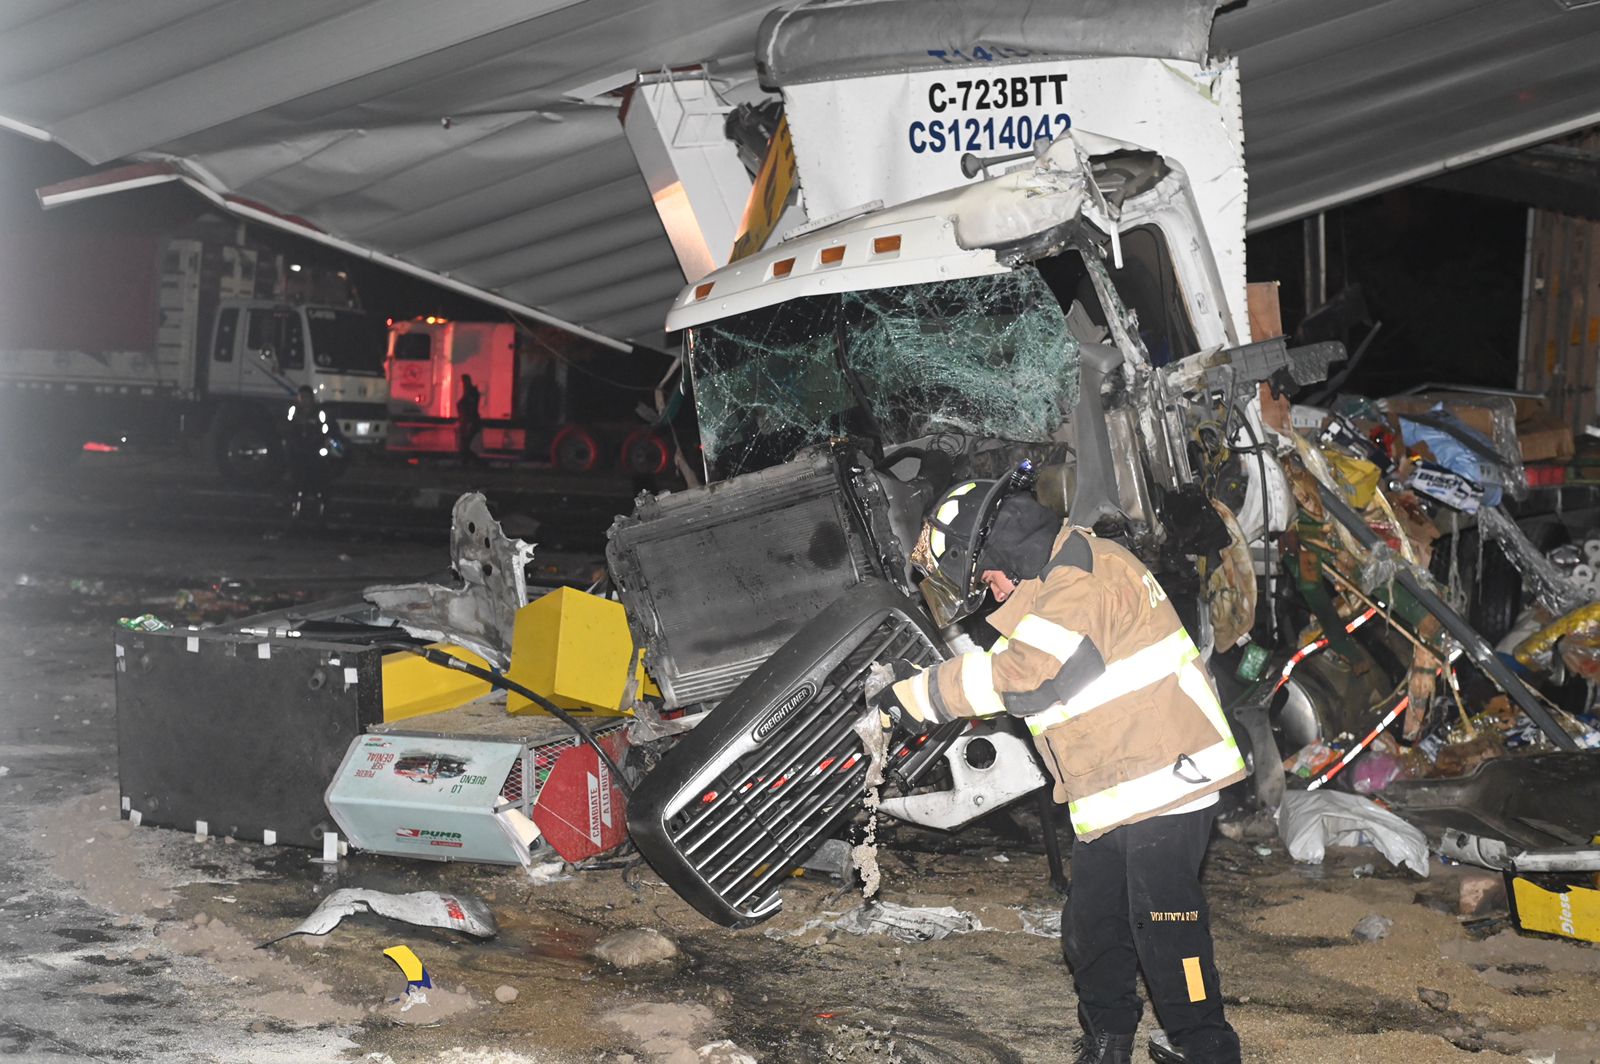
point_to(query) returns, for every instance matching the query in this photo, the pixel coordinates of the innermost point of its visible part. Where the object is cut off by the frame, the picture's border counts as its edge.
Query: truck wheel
(247, 450)
(645, 454)
(574, 450)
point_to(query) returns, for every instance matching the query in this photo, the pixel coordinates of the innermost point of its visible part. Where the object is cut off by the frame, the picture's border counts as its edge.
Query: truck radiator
(717, 578)
(777, 767)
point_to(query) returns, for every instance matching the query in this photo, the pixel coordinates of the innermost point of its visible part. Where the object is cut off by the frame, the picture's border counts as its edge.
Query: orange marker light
(885, 245)
(783, 267)
(832, 256)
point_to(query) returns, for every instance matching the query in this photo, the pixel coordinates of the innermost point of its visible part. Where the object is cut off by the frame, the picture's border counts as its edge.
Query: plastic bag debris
(1311, 821)
(1046, 923)
(145, 622)
(1377, 770)
(411, 966)
(908, 923)
(1554, 592)
(423, 908)
(1371, 928)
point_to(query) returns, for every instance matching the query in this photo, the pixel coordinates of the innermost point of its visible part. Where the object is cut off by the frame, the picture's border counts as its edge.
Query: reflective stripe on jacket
(1098, 664)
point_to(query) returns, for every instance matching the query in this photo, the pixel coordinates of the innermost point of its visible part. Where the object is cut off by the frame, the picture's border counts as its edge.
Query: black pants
(1136, 903)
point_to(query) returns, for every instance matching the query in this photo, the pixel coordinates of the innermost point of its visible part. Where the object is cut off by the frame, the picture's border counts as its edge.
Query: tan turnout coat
(1097, 663)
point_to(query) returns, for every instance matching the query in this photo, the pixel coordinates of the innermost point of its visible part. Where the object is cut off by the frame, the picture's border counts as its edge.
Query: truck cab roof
(946, 236)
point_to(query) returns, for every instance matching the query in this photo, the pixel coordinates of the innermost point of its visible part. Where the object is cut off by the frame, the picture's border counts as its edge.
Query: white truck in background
(157, 339)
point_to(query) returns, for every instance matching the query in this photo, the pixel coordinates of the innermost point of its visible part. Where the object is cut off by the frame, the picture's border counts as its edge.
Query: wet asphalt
(114, 535)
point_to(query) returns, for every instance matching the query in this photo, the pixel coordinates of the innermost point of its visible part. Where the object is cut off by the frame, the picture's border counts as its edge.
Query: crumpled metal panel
(481, 614)
(829, 39)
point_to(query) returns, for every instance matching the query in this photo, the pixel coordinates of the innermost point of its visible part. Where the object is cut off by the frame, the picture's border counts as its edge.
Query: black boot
(1163, 1051)
(1105, 1048)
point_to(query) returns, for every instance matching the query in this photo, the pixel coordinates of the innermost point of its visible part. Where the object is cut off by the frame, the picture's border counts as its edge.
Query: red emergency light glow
(96, 447)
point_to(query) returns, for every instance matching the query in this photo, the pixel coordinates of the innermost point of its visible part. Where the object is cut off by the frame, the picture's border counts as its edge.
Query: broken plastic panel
(985, 356)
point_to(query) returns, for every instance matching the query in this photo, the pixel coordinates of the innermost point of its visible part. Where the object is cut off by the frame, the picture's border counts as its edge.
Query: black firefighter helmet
(979, 525)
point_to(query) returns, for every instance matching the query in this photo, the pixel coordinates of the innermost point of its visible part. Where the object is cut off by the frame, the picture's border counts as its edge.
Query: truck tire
(1496, 592)
(645, 454)
(247, 448)
(575, 450)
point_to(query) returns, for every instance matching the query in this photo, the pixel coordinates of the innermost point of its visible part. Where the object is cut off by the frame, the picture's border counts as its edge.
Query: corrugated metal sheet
(442, 133)
(1561, 345)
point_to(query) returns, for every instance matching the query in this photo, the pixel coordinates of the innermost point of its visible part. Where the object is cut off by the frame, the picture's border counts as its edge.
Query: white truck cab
(266, 350)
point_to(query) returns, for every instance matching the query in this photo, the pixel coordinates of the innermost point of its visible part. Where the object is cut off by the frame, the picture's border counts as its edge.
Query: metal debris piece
(423, 908)
(481, 613)
(908, 923)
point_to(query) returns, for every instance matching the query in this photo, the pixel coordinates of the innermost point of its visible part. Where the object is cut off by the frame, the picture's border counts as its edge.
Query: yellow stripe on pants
(1191, 975)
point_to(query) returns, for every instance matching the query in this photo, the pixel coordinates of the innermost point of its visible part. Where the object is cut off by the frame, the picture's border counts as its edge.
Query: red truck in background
(544, 396)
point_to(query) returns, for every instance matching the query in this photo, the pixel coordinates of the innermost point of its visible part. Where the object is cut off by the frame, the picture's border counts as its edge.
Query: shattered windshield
(984, 356)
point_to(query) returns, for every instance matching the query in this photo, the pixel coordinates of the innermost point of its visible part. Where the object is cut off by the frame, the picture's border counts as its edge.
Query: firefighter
(471, 422)
(313, 446)
(1096, 663)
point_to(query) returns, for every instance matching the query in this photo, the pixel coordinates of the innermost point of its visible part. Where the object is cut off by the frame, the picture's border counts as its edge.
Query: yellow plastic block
(574, 649)
(1572, 913)
(413, 687)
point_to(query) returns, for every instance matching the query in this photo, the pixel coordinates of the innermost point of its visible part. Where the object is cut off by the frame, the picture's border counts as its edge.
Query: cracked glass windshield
(984, 356)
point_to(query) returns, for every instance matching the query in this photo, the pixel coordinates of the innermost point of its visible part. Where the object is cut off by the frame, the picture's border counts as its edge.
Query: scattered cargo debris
(1310, 822)
(436, 798)
(423, 908)
(907, 923)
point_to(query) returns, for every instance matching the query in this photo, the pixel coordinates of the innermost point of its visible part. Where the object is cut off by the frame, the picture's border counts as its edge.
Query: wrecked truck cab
(846, 376)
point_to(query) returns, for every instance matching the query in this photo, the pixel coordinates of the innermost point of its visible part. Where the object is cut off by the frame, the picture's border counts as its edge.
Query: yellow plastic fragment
(1540, 642)
(413, 687)
(409, 963)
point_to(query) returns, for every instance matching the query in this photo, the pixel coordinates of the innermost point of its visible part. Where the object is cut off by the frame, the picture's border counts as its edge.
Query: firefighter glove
(883, 679)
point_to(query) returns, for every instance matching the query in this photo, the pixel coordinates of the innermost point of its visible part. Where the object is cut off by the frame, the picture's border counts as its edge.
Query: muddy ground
(137, 944)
